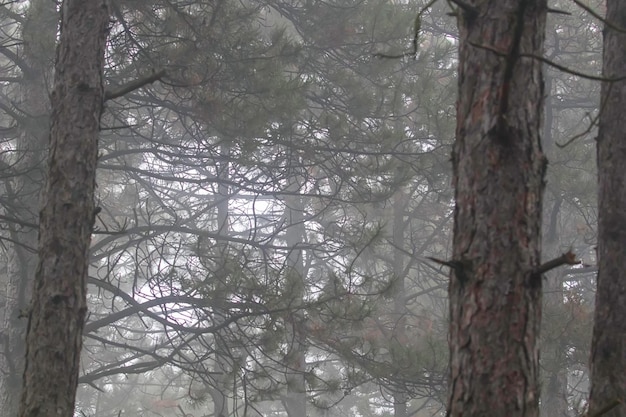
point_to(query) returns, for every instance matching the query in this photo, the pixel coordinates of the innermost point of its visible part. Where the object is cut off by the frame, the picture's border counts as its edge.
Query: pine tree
(608, 351)
(495, 289)
(59, 306)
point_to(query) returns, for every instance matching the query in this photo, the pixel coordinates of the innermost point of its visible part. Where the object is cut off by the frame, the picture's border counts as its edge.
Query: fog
(271, 205)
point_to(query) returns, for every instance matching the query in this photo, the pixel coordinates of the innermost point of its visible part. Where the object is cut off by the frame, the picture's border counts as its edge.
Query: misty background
(269, 207)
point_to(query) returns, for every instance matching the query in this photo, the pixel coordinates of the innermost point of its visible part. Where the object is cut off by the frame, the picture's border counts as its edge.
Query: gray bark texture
(21, 193)
(608, 347)
(400, 313)
(498, 163)
(57, 313)
(295, 397)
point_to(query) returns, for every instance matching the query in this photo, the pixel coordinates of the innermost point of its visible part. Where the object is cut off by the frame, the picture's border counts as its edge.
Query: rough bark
(495, 293)
(608, 348)
(57, 314)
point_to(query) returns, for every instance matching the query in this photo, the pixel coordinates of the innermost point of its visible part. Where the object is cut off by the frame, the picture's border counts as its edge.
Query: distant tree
(315, 140)
(57, 312)
(28, 55)
(608, 350)
(570, 205)
(498, 164)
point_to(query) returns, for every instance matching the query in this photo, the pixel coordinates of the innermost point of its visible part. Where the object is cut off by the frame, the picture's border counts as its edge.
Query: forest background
(268, 207)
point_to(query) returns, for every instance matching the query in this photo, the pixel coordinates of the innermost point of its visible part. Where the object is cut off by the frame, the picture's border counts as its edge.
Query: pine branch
(134, 85)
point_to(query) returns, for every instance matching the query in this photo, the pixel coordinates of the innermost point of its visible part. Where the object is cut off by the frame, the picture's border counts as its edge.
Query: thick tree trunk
(54, 336)
(608, 348)
(495, 293)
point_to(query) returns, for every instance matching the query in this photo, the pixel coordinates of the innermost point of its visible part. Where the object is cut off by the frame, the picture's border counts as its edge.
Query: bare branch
(557, 11)
(9, 54)
(134, 85)
(9, 13)
(597, 16)
(416, 33)
(554, 65)
(568, 258)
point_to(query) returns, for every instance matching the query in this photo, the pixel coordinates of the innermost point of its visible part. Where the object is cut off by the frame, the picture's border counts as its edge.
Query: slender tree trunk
(22, 196)
(400, 397)
(553, 348)
(224, 364)
(495, 293)
(295, 398)
(608, 347)
(57, 314)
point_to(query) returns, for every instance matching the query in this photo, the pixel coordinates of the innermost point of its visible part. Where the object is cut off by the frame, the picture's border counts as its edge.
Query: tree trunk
(400, 397)
(553, 348)
(608, 347)
(495, 292)
(295, 397)
(224, 364)
(21, 193)
(56, 318)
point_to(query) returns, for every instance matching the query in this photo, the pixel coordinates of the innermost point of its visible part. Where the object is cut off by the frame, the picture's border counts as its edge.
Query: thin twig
(416, 29)
(597, 16)
(593, 123)
(553, 64)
